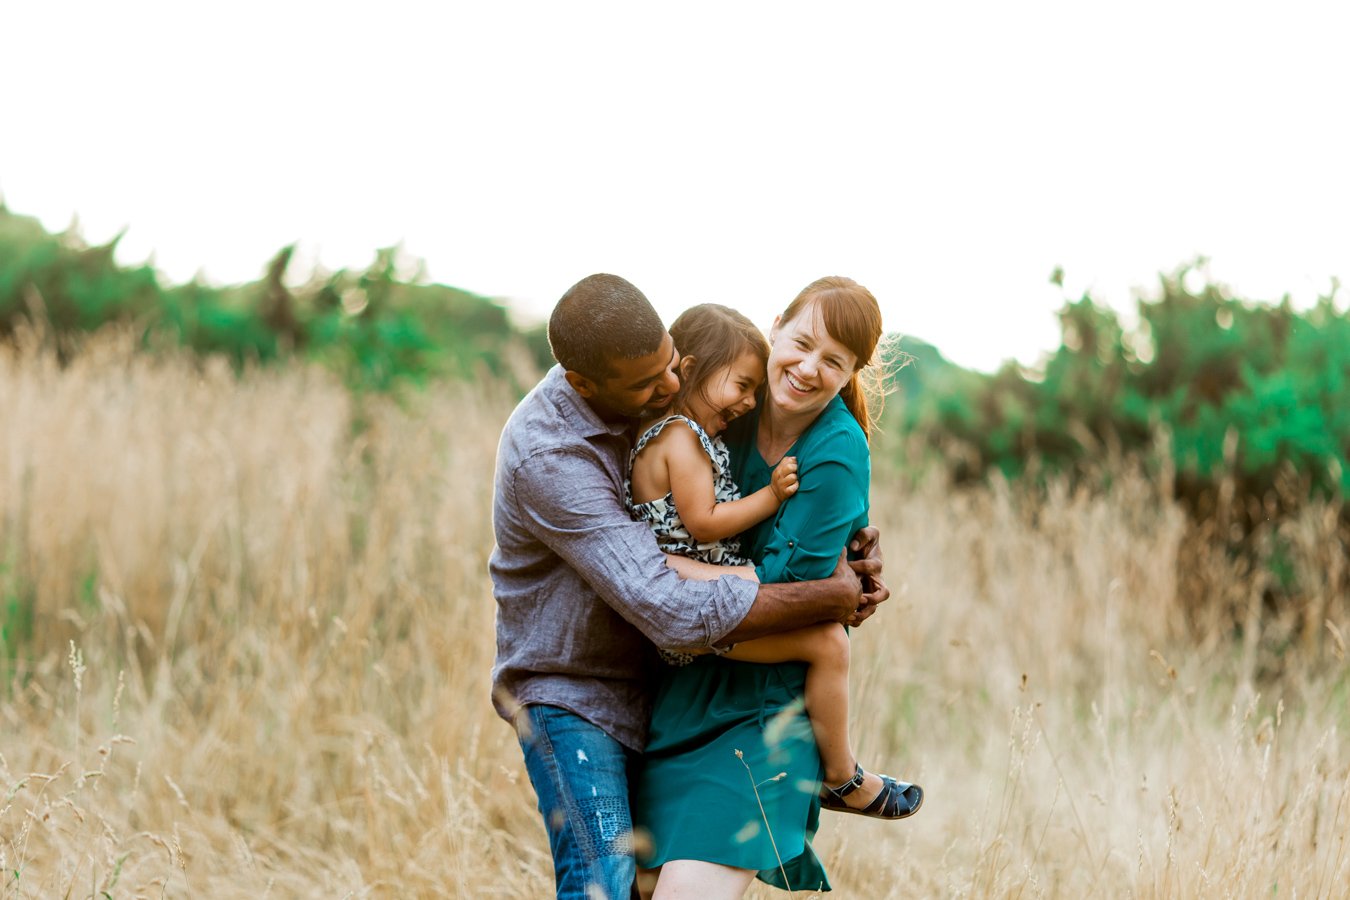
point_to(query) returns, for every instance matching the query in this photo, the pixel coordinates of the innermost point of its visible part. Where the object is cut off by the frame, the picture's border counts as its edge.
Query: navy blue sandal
(897, 799)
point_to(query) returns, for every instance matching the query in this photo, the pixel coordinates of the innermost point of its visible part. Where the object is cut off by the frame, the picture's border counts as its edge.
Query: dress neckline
(792, 448)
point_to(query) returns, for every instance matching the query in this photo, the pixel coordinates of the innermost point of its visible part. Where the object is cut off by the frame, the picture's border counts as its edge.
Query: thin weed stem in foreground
(765, 818)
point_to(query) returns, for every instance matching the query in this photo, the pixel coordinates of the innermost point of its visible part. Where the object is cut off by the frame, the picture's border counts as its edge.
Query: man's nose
(671, 382)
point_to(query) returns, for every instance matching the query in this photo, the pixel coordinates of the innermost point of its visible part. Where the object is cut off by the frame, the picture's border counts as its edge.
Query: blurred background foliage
(377, 328)
(1208, 384)
(1228, 388)
(1239, 409)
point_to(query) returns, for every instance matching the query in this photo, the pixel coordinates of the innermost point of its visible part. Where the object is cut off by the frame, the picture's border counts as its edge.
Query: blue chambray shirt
(582, 590)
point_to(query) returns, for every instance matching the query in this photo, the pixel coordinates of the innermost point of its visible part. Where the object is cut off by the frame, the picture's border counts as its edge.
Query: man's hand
(788, 606)
(850, 587)
(867, 544)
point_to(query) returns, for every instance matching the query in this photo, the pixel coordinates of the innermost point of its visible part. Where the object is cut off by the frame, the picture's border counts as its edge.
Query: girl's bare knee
(829, 644)
(688, 879)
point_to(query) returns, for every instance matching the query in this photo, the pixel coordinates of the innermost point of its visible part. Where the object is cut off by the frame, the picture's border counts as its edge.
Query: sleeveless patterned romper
(664, 519)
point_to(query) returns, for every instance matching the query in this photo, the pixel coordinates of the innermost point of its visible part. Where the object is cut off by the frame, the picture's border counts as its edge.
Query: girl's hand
(784, 483)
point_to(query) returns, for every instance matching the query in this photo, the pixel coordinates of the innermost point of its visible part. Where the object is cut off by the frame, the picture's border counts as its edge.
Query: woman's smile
(796, 384)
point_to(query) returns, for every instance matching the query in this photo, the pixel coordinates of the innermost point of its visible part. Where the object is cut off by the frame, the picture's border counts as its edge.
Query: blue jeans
(580, 775)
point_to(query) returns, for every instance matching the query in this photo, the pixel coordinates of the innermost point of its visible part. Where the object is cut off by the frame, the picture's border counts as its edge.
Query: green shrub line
(1255, 392)
(374, 327)
(1241, 409)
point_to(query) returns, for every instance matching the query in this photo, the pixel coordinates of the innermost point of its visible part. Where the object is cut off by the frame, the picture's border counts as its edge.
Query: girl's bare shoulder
(676, 438)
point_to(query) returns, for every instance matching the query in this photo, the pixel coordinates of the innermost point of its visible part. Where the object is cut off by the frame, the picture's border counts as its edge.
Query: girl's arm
(691, 484)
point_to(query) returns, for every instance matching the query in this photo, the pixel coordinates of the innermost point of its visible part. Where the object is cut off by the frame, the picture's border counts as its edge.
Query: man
(583, 593)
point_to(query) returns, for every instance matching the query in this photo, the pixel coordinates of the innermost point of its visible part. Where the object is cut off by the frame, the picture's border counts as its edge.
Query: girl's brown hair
(853, 318)
(715, 336)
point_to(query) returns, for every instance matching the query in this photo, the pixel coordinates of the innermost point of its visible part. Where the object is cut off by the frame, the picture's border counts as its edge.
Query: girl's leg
(646, 881)
(692, 879)
(825, 650)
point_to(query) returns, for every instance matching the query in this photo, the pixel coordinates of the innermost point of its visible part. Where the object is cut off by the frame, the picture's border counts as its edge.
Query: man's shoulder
(543, 423)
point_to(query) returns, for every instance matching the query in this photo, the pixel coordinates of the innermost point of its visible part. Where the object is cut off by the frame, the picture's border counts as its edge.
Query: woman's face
(807, 367)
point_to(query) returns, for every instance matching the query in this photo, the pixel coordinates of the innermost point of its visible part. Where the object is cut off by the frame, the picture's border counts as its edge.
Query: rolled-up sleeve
(569, 503)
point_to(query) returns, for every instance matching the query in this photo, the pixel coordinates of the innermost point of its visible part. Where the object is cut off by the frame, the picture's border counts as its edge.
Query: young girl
(681, 485)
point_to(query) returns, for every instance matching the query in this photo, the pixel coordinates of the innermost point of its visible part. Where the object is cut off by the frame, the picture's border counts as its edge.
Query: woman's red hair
(853, 318)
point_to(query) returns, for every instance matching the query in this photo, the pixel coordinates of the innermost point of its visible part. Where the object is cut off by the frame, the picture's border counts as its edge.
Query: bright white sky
(947, 155)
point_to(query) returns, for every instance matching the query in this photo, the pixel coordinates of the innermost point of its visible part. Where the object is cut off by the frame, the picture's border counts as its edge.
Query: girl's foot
(853, 793)
(868, 794)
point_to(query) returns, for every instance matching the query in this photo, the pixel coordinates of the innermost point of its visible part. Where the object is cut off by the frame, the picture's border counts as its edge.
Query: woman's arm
(818, 522)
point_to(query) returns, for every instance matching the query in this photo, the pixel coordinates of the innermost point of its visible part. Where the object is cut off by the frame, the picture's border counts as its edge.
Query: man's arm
(569, 503)
(784, 607)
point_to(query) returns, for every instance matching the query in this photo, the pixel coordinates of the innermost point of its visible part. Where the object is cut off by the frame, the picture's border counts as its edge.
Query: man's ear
(580, 383)
(686, 367)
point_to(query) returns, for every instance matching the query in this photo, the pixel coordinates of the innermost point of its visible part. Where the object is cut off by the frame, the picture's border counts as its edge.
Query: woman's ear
(773, 329)
(686, 367)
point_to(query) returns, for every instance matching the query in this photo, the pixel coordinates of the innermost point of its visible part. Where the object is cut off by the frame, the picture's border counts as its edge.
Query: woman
(731, 774)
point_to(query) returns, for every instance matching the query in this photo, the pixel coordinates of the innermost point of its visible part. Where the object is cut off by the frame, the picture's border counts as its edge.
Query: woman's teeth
(797, 385)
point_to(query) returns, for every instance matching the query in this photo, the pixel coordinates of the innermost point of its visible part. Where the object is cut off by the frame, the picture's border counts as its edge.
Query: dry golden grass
(260, 639)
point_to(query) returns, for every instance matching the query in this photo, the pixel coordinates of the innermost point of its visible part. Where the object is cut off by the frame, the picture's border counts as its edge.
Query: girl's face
(728, 393)
(807, 367)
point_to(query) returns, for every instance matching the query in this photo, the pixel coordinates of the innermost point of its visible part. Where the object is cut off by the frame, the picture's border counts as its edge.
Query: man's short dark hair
(602, 318)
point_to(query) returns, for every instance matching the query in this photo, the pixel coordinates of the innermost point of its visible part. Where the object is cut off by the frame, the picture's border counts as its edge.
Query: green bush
(1254, 391)
(375, 327)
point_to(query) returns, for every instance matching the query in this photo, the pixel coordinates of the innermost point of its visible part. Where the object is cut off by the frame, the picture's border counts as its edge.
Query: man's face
(636, 387)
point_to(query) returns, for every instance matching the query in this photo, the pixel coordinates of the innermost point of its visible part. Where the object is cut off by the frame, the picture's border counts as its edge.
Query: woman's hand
(867, 545)
(784, 483)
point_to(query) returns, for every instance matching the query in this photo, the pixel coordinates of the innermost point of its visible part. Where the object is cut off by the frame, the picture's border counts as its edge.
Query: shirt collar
(577, 411)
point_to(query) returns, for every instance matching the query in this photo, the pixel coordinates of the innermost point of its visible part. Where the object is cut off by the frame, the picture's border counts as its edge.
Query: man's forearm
(783, 607)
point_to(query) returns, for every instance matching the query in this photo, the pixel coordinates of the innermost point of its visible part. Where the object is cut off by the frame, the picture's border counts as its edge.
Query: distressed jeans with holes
(580, 775)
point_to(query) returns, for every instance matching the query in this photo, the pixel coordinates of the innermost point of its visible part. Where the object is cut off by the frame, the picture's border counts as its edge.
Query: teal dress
(731, 772)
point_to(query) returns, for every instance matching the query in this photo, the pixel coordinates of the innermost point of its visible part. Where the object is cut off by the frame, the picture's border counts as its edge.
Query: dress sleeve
(572, 507)
(815, 524)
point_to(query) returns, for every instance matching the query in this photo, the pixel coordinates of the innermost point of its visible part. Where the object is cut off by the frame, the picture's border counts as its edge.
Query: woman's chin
(795, 402)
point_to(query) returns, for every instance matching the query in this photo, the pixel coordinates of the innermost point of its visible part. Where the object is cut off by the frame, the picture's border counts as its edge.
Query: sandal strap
(849, 786)
(892, 803)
